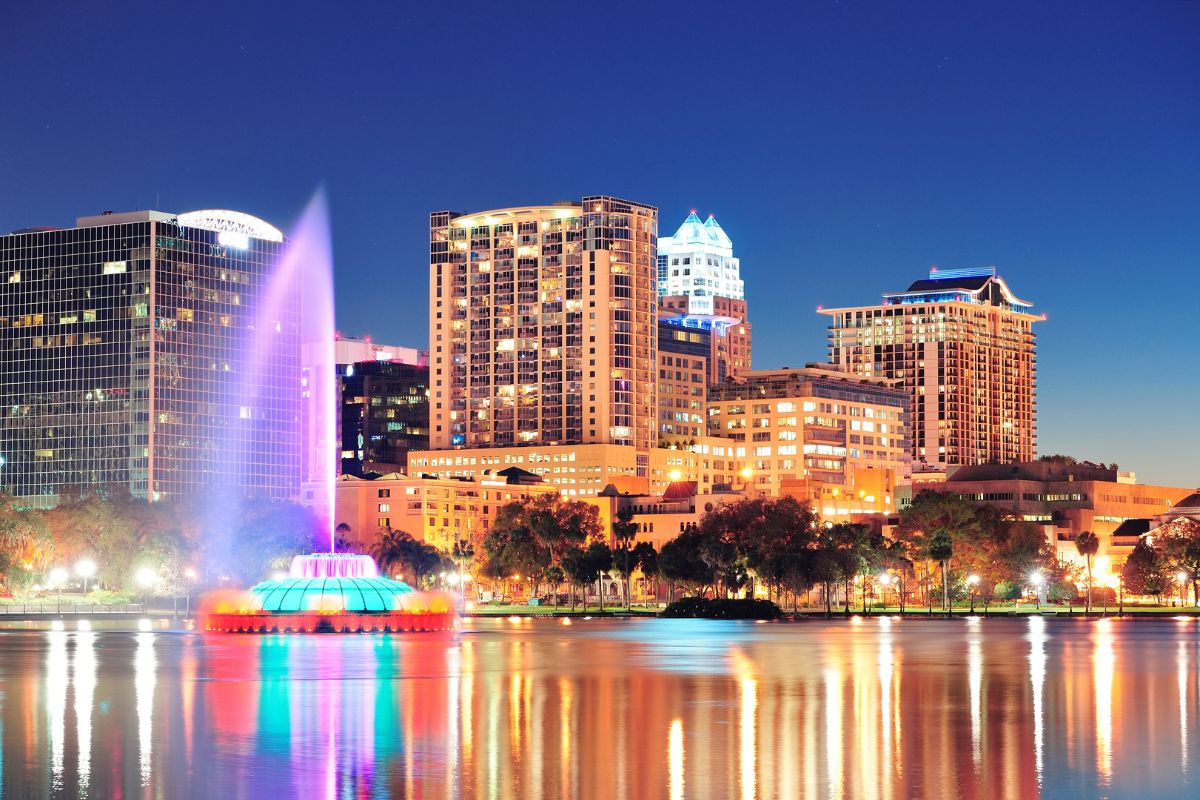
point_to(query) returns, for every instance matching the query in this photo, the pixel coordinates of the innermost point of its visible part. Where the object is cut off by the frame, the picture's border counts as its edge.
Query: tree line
(181, 541)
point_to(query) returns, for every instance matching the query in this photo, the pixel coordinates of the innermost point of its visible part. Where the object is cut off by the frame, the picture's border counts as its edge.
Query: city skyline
(936, 147)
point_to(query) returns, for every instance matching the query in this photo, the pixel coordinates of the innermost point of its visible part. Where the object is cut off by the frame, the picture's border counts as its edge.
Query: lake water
(861, 708)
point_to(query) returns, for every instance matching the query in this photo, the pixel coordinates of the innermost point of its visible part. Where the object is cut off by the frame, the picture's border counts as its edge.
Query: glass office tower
(138, 354)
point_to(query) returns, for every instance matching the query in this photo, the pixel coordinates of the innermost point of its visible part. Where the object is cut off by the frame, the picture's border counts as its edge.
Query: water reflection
(880, 709)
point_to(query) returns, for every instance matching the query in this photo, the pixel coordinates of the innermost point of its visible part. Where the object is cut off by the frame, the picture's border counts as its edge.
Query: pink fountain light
(333, 565)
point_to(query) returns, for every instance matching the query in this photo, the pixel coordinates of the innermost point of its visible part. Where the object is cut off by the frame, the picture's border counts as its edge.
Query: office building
(700, 287)
(683, 375)
(139, 353)
(832, 438)
(541, 325)
(962, 345)
(383, 414)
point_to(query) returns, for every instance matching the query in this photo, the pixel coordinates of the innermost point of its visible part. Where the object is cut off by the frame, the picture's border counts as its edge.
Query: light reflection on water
(881, 709)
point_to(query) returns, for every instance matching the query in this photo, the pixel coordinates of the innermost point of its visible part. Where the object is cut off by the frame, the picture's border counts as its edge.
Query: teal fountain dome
(332, 582)
(334, 592)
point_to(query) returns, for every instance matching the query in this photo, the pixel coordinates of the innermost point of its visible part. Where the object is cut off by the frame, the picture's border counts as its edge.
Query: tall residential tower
(962, 344)
(542, 325)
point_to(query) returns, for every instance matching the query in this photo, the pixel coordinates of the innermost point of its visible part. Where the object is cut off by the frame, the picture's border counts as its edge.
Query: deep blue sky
(844, 146)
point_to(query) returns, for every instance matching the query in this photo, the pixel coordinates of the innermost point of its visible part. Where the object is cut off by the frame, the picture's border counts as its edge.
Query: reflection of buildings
(962, 344)
(646, 711)
(1066, 499)
(124, 357)
(819, 434)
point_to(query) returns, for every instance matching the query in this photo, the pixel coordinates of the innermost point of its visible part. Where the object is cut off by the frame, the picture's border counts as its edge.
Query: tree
(600, 559)
(953, 521)
(1088, 544)
(941, 550)
(1146, 571)
(679, 561)
(26, 545)
(1179, 543)
(646, 558)
(580, 569)
(554, 577)
(624, 531)
(398, 550)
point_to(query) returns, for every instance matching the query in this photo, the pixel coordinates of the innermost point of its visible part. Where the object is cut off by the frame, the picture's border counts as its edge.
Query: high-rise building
(818, 433)
(700, 286)
(962, 344)
(683, 377)
(384, 414)
(542, 326)
(138, 353)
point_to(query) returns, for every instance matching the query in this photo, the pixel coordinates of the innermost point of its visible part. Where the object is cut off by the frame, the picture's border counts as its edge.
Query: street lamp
(885, 580)
(58, 576)
(1037, 579)
(972, 582)
(1181, 578)
(190, 574)
(85, 569)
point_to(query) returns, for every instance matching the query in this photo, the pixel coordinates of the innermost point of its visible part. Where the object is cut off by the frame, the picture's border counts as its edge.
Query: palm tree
(941, 550)
(463, 552)
(1088, 544)
(624, 531)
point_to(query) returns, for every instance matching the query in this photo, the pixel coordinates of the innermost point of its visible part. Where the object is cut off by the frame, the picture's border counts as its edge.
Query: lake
(538, 708)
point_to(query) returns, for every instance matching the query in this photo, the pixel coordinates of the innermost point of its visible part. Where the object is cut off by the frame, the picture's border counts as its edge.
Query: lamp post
(85, 569)
(1037, 580)
(190, 574)
(464, 551)
(1181, 578)
(972, 582)
(146, 577)
(1121, 595)
(884, 580)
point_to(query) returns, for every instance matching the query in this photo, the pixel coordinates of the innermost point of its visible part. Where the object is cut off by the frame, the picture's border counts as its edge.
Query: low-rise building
(662, 517)
(1068, 498)
(438, 511)
(583, 470)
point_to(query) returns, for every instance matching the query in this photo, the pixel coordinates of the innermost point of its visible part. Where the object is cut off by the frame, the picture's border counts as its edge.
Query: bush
(719, 608)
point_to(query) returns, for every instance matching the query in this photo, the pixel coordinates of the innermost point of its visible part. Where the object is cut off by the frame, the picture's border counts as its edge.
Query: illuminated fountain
(324, 592)
(329, 593)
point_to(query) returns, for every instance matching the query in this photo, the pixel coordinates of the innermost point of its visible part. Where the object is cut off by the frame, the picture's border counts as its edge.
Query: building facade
(1065, 499)
(683, 374)
(437, 511)
(383, 415)
(580, 471)
(962, 344)
(542, 326)
(821, 434)
(700, 286)
(139, 352)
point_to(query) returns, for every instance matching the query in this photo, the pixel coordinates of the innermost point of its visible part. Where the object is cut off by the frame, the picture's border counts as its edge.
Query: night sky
(845, 147)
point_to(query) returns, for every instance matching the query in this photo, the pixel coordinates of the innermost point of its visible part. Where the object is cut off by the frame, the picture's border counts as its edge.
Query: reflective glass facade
(133, 357)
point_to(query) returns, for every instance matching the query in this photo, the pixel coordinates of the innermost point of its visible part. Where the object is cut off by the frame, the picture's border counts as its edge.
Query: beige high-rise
(963, 345)
(542, 326)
